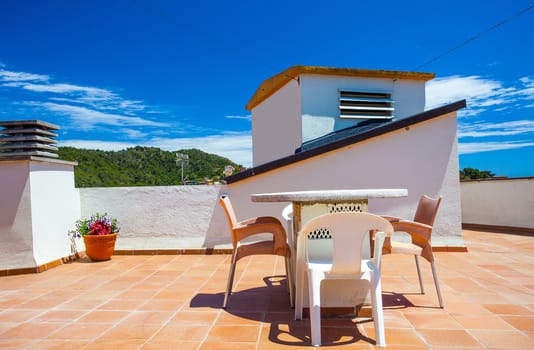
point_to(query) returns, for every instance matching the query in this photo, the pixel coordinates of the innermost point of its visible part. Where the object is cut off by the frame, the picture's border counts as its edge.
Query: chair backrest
(348, 230)
(224, 201)
(427, 210)
(287, 214)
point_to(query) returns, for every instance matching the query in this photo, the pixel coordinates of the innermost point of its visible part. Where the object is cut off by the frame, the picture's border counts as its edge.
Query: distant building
(228, 170)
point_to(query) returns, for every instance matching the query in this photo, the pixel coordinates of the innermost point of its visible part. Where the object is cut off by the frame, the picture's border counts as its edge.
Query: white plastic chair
(340, 258)
(287, 215)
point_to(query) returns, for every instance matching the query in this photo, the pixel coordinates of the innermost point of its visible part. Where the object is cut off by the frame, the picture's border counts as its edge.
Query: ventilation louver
(365, 104)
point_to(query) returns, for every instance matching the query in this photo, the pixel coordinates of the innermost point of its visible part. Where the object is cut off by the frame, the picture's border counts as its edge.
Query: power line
(476, 36)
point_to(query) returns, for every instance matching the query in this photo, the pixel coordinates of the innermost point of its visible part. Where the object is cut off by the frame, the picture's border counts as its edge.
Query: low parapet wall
(499, 203)
(187, 219)
(158, 218)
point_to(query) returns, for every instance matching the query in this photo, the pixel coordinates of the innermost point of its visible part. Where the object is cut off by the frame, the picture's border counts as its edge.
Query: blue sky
(176, 74)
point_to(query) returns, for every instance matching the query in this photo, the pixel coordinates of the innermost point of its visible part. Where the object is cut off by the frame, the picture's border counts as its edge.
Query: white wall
(276, 126)
(160, 217)
(320, 100)
(16, 240)
(54, 209)
(308, 108)
(38, 205)
(499, 202)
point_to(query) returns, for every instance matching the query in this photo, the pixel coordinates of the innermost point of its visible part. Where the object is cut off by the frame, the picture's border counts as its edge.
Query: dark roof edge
(395, 125)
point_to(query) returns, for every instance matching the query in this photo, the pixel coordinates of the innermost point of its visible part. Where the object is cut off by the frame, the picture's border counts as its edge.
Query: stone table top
(329, 195)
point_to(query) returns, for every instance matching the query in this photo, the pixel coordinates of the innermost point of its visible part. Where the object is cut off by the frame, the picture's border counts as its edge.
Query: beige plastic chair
(247, 228)
(420, 230)
(340, 258)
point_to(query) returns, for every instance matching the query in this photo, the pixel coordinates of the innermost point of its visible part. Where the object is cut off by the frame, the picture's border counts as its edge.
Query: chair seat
(257, 248)
(405, 248)
(366, 267)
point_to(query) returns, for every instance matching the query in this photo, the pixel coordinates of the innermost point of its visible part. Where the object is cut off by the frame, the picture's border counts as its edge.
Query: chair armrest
(244, 230)
(419, 232)
(259, 220)
(391, 219)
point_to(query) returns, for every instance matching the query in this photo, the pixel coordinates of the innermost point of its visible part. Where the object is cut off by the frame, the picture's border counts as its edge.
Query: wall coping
(499, 178)
(39, 159)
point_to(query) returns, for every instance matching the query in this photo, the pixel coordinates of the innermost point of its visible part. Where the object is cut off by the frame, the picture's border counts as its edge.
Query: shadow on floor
(270, 304)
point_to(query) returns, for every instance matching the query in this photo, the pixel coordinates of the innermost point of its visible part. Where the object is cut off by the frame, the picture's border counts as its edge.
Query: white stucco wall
(320, 100)
(160, 217)
(308, 108)
(507, 202)
(276, 126)
(55, 207)
(16, 240)
(38, 204)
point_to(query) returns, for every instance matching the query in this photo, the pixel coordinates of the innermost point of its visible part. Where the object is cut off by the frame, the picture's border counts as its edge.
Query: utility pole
(182, 160)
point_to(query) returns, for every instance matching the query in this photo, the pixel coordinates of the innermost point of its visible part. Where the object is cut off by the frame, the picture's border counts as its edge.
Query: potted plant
(99, 235)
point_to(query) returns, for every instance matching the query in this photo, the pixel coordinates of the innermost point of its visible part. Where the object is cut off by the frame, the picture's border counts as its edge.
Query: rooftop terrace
(174, 302)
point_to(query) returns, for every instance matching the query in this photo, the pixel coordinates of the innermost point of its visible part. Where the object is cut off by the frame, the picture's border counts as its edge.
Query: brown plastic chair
(253, 226)
(420, 230)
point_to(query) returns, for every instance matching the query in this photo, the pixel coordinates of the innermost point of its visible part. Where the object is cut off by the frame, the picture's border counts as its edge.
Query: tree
(473, 173)
(142, 166)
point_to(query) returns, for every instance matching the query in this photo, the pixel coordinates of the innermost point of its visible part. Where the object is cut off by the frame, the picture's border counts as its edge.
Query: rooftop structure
(22, 139)
(303, 103)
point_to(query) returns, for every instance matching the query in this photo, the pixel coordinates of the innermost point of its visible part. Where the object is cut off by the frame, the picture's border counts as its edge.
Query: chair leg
(436, 282)
(230, 281)
(419, 274)
(289, 274)
(299, 290)
(314, 285)
(378, 313)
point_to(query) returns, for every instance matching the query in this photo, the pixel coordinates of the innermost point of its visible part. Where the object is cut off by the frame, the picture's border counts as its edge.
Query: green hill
(142, 166)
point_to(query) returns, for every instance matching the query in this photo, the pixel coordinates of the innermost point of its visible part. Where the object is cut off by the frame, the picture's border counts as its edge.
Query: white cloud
(481, 93)
(94, 97)
(516, 127)
(234, 146)
(132, 133)
(245, 117)
(86, 118)
(477, 147)
(449, 89)
(96, 144)
(67, 89)
(10, 76)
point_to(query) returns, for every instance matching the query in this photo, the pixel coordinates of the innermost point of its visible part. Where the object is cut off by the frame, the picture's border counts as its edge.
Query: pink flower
(100, 228)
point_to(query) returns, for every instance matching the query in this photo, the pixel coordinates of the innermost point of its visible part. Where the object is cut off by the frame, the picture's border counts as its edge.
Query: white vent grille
(365, 104)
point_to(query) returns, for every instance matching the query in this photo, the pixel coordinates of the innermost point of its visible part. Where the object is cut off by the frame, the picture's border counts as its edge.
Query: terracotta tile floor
(173, 302)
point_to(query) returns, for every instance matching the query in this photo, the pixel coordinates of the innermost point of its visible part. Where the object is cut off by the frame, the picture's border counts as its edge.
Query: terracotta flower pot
(99, 248)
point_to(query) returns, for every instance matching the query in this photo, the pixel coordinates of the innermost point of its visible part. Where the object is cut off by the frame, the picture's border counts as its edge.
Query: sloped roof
(276, 82)
(345, 137)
